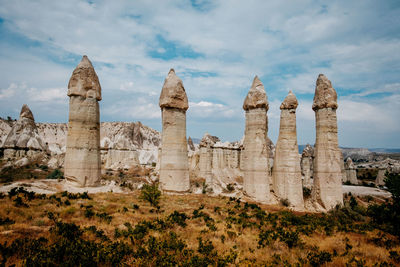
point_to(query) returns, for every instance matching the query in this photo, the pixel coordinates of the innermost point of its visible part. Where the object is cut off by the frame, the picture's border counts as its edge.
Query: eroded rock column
(255, 150)
(351, 172)
(327, 189)
(306, 165)
(206, 157)
(82, 158)
(174, 169)
(286, 173)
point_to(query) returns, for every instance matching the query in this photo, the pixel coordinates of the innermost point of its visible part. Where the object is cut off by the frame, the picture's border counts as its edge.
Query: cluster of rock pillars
(83, 164)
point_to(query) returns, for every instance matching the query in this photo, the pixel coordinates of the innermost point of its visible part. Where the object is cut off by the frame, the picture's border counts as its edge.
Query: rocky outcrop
(82, 158)
(306, 164)
(327, 189)
(174, 169)
(23, 140)
(206, 156)
(286, 173)
(351, 172)
(256, 178)
(127, 144)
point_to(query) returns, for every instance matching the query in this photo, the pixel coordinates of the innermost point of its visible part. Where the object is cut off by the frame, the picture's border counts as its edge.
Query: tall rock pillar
(255, 149)
(327, 189)
(82, 158)
(286, 173)
(174, 169)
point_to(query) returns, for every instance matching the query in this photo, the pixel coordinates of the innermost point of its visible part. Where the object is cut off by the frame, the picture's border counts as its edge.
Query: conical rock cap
(257, 97)
(290, 101)
(26, 113)
(173, 94)
(84, 81)
(325, 95)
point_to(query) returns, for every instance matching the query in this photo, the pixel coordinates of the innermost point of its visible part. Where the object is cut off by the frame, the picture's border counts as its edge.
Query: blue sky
(216, 48)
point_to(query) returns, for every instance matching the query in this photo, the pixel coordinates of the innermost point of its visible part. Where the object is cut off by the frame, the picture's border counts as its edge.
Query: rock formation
(174, 170)
(206, 156)
(190, 144)
(256, 178)
(82, 158)
(306, 165)
(351, 172)
(380, 178)
(286, 173)
(23, 139)
(327, 189)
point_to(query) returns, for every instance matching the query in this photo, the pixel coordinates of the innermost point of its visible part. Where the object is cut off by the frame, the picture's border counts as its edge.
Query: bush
(306, 192)
(318, 258)
(151, 194)
(56, 174)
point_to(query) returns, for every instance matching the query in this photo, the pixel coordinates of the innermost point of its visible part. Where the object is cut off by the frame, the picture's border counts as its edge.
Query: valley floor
(111, 229)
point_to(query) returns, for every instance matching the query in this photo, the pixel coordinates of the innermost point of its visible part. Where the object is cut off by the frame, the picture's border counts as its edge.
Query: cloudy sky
(216, 48)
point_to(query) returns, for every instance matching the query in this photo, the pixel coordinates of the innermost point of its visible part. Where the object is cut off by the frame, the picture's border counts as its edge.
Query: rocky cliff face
(117, 140)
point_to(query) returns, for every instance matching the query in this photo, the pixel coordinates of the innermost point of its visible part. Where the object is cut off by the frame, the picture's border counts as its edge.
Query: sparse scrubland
(146, 228)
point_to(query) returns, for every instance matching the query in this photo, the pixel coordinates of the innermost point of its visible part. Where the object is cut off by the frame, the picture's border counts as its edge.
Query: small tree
(151, 194)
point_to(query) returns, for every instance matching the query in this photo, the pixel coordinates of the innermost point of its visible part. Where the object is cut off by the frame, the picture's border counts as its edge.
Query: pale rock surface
(174, 169)
(206, 157)
(5, 128)
(327, 189)
(256, 178)
(351, 172)
(82, 158)
(380, 178)
(286, 173)
(24, 139)
(306, 165)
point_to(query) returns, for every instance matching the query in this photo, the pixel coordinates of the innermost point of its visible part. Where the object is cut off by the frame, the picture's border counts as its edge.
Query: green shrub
(56, 174)
(151, 194)
(285, 202)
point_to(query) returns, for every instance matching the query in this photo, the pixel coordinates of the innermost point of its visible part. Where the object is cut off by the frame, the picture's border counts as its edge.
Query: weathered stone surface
(82, 158)
(84, 81)
(23, 138)
(306, 165)
(256, 97)
(206, 156)
(190, 144)
(286, 173)
(173, 93)
(351, 172)
(174, 169)
(256, 178)
(380, 178)
(325, 95)
(327, 189)
(290, 102)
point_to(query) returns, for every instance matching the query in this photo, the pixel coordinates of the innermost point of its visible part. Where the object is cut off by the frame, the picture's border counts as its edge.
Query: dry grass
(34, 222)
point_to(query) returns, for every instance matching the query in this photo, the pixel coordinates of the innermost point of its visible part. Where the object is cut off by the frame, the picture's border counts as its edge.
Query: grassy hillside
(109, 229)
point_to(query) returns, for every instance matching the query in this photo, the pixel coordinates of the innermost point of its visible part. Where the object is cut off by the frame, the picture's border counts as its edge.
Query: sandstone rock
(23, 138)
(84, 81)
(82, 158)
(380, 178)
(286, 173)
(327, 189)
(325, 95)
(206, 157)
(173, 93)
(256, 178)
(190, 144)
(306, 165)
(351, 172)
(174, 169)
(256, 97)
